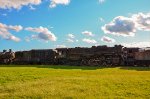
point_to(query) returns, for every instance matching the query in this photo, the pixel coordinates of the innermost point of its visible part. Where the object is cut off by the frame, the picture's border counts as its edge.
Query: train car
(22, 57)
(129, 56)
(142, 58)
(46, 56)
(43, 56)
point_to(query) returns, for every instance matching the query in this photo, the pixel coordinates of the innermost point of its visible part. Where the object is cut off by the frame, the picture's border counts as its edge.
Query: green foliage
(73, 82)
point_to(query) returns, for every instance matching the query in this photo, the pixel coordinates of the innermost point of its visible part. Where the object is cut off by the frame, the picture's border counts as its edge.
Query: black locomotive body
(94, 56)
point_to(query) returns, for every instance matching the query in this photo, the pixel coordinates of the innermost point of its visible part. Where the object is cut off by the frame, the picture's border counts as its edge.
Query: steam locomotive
(94, 56)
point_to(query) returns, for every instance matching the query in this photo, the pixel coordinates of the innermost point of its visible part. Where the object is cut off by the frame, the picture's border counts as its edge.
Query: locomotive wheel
(92, 62)
(84, 62)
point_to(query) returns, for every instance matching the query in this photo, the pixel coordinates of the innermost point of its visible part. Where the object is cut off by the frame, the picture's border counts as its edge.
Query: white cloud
(71, 36)
(43, 33)
(142, 21)
(13, 4)
(87, 33)
(16, 28)
(27, 39)
(32, 8)
(61, 46)
(120, 26)
(34, 36)
(70, 40)
(4, 14)
(137, 44)
(107, 39)
(90, 41)
(127, 26)
(13, 38)
(9, 4)
(101, 19)
(77, 40)
(5, 34)
(54, 3)
(101, 1)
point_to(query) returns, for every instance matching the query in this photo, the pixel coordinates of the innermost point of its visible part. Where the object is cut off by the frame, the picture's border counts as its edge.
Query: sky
(49, 24)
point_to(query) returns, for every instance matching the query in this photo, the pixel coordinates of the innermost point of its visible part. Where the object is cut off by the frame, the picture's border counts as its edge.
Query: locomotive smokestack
(10, 50)
(4, 51)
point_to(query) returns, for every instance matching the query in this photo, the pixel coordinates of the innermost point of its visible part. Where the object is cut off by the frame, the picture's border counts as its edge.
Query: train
(117, 55)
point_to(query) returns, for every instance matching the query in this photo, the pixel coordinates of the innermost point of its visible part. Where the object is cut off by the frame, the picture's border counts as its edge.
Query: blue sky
(44, 24)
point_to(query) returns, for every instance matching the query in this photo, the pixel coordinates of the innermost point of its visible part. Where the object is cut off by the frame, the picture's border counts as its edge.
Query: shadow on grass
(136, 68)
(58, 67)
(79, 67)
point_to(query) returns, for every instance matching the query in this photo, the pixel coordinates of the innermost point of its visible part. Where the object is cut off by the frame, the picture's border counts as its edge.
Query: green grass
(73, 82)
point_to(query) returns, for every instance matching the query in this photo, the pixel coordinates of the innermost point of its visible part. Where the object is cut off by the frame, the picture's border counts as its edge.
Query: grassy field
(72, 82)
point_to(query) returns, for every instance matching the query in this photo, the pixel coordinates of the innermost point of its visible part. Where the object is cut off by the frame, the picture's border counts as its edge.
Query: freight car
(129, 56)
(43, 56)
(142, 58)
